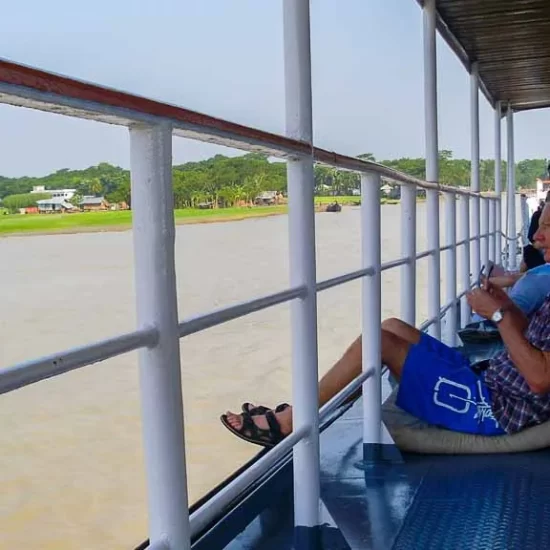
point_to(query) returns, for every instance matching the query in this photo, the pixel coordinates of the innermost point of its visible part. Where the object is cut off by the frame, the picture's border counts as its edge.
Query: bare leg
(394, 353)
(405, 331)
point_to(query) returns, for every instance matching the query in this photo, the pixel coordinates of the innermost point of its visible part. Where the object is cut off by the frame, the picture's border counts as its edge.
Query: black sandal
(258, 436)
(261, 410)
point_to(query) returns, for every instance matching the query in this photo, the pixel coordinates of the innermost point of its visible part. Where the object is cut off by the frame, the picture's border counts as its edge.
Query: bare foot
(284, 418)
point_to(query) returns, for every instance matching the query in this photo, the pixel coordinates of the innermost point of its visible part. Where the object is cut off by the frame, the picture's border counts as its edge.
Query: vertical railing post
(524, 210)
(160, 370)
(408, 250)
(498, 182)
(465, 256)
(372, 311)
(432, 164)
(484, 230)
(297, 58)
(511, 193)
(474, 182)
(492, 202)
(450, 267)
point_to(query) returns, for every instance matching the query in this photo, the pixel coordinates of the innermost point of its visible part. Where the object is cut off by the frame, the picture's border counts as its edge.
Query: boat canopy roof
(510, 41)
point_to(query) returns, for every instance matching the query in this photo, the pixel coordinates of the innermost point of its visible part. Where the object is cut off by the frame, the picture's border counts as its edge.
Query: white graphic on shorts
(463, 402)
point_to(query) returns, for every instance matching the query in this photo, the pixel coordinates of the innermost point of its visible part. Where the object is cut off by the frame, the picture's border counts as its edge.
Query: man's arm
(503, 281)
(516, 317)
(531, 362)
(504, 302)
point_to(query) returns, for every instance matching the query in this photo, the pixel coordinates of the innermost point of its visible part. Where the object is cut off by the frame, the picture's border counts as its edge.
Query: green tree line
(23, 200)
(224, 181)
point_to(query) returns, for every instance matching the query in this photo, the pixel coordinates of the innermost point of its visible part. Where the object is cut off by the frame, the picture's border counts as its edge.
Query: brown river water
(71, 461)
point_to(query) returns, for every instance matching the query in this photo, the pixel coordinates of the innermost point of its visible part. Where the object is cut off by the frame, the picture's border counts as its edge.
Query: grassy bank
(119, 221)
(112, 221)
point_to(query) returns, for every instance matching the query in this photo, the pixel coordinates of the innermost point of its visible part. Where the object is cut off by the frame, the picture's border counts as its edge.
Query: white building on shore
(65, 194)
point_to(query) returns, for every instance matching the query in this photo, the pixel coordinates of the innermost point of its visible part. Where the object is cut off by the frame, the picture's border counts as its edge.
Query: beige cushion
(413, 435)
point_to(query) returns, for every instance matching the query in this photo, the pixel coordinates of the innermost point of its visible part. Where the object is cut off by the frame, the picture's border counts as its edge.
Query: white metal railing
(152, 126)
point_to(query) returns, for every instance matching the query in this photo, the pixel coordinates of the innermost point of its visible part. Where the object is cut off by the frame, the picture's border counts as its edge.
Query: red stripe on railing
(45, 82)
(42, 81)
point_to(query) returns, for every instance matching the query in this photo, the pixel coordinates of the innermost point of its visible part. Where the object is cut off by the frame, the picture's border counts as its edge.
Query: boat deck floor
(419, 503)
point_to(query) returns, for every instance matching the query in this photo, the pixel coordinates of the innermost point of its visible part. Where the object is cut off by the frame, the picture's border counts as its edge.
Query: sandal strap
(261, 409)
(251, 430)
(274, 426)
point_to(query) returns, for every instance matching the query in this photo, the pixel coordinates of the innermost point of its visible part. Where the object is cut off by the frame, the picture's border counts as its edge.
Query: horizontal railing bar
(214, 507)
(426, 324)
(23, 374)
(518, 236)
(346, 278)
(464, 292)
(219, 316)
(464, 241)
(394, 263)
(36, 89)
(424, 254)
(358, 165)
(447, 306)
(341, 396)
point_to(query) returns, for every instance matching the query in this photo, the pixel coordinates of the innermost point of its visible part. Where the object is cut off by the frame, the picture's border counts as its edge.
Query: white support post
(465, 257)
(524, 211)
(371, 308)
(297, 58)
(498, 182)
(432, 164)
(474, 182)
(511, 193)
(408, 250)
(160, 370)
(450, 266)
(484, 230)
(492, 228)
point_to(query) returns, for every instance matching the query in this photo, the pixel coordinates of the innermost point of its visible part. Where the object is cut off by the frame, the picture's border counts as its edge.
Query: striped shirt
(514, 405)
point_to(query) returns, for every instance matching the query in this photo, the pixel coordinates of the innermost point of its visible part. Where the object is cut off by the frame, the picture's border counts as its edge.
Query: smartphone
(480, 275)
(489, 273)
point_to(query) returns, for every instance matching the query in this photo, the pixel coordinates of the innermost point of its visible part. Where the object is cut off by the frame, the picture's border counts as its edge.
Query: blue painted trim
(271, 494)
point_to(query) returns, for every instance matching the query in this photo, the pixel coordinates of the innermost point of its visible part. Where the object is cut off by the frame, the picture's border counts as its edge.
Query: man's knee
(394, 325)
(394, 351)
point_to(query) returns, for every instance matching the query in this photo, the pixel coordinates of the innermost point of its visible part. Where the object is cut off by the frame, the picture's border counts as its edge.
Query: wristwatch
(497, 316)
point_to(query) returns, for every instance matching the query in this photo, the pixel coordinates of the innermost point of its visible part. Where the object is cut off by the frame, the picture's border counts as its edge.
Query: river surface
(71, 461)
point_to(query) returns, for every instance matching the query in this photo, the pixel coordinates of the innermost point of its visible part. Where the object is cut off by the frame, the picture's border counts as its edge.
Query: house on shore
(93, 204)
(55, 204)
(66, 194)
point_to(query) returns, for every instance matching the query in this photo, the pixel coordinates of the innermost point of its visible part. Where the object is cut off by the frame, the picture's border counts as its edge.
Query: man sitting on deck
(510, 392)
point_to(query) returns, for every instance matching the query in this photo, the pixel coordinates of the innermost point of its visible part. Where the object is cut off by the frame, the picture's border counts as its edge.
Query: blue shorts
(439, 386)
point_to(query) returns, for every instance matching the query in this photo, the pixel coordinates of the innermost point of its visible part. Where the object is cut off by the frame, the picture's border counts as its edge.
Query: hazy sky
(225, 58)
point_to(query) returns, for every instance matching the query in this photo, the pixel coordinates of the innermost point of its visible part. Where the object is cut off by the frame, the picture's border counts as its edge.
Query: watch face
(497, 316)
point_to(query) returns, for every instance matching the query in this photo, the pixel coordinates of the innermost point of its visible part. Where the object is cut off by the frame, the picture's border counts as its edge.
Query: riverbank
(46, 224)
